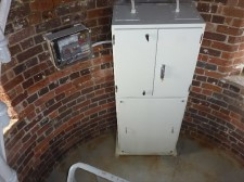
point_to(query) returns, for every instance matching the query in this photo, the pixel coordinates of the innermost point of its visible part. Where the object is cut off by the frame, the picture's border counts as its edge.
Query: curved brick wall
(52, 110)
(215, 107)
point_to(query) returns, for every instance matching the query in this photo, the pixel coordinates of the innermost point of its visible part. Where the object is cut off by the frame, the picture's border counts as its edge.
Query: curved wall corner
(214, 112)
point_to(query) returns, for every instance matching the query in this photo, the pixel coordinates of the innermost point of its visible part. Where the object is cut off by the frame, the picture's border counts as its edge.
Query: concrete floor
(195, 163)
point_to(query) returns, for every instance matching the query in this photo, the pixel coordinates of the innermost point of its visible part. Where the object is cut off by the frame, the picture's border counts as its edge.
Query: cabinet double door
(153, 71)
(155, 62)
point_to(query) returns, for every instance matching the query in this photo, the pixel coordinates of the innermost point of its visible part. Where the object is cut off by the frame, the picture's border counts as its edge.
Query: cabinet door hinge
(113, 39)
(189, 89)
(201, 38)
(116, 88)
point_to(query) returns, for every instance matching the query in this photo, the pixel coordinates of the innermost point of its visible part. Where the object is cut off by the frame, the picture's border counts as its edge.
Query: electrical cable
(101, 42)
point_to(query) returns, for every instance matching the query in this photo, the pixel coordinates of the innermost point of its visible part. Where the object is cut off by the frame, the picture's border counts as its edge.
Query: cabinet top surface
(156, 13)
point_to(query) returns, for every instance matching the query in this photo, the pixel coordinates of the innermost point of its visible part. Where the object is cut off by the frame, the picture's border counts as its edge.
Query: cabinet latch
(147, 37)
(162, 72)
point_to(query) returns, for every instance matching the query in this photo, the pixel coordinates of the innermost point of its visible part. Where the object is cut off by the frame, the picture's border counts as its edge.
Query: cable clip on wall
(69, 45)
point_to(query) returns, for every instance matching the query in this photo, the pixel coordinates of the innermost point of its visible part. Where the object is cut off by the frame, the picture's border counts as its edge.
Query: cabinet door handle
(147, 37)
(162, 72)
(144, 92)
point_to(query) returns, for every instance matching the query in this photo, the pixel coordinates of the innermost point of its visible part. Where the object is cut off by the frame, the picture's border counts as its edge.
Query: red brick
(241, 47)
(221, 1)
(48, 25)
(28, 43)
(218, 61)
(202, 108)
(43, 83)
(35, 70)
(211, 87)
(224, 46)
(213, 74)
(235, 116)
(214, 36)
(14, 82)
(44, 5)
(57, 75)
(103, 3)
(99, 13)
(229, 30)
(228, 55)
(29, 53)
(80, 66)
(30, 116)
(233, 11)
(221, 115)
(28, 83)
(196, 89)
(34, 18)
(218, 19)
(236, 39)
(238, 23)
(238, 61)
(15, 49)
(207, 92)
(209, 51)
(21, 35)
(241, 4)
(19, 69)
(47, 15)
(206, 17)
(63, 88)
(104, 21)
(21, 97)
(90, 23)
(228, 21)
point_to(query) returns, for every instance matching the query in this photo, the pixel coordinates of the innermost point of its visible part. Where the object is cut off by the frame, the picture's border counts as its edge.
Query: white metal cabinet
(150, 101)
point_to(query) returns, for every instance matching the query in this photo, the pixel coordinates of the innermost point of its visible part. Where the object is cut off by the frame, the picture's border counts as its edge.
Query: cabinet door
(149, 126)
(177, 52)
(134, 60)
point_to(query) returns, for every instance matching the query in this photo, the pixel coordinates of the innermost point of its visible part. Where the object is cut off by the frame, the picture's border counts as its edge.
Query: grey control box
(69, 45)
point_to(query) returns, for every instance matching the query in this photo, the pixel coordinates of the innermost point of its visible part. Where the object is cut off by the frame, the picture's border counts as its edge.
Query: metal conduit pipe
(133, 7)
(5, 56)
(177, 10)
(7, 174)
(4, 10)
